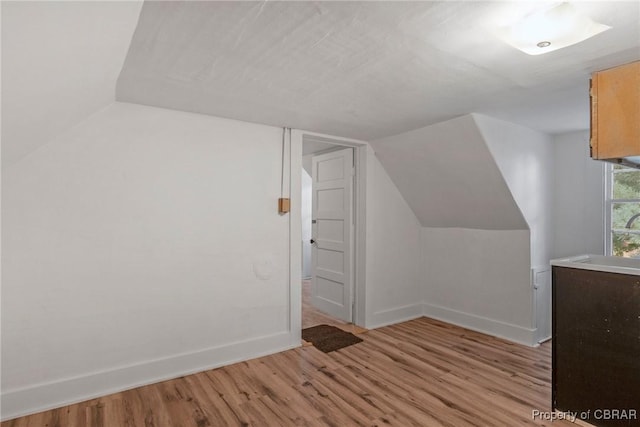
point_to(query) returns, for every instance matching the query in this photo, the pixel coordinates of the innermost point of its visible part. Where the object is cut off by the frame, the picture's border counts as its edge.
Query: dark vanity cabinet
(596, 346)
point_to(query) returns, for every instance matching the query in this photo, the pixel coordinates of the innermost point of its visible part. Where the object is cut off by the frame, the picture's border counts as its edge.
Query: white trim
(535, 271)
(606, 206)
(360, 255)
(497, 328)
(608, 193)
(67, 391)
(609, 264)
(395, 315)
(295, 237)
(335, 140)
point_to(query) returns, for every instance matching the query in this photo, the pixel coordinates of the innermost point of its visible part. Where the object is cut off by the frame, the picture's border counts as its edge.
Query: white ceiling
(60, 62)
(366, 69)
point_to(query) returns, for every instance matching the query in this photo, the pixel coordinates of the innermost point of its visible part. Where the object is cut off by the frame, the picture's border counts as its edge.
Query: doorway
(332, 237)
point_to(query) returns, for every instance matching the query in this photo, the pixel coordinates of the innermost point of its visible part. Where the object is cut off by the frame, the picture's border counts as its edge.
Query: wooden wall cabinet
(615, 112)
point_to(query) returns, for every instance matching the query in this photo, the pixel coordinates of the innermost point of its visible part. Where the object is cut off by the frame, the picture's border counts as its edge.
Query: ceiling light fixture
(551, 29)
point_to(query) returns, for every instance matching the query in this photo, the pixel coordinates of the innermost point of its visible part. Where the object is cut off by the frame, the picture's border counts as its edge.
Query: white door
(331, 233)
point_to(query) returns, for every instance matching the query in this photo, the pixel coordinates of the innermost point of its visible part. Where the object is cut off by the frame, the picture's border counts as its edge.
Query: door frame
(361, 154)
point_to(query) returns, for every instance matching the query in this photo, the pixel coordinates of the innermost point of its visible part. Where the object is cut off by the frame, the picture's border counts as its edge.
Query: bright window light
(551, 29)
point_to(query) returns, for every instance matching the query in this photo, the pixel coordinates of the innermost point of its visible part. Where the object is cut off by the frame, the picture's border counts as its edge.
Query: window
(622, 203)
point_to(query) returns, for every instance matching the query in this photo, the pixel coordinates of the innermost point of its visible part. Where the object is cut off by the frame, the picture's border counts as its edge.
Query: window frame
(609, 201)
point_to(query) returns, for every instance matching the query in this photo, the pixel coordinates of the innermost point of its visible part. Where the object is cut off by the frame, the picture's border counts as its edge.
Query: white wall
(525, 158)
(60, 62)
(578, 215)
(393, 258)
(479, 279)
(133, 241)
(142, 244)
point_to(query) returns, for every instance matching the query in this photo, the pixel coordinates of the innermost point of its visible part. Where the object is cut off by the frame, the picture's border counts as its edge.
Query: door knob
(312, 241)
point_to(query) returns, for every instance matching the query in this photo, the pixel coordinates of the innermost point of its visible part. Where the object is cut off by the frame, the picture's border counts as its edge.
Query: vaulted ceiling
(366, 69)
(355, 69)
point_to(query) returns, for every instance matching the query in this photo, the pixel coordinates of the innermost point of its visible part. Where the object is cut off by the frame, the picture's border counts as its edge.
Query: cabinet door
(596, 343)
(615, 112)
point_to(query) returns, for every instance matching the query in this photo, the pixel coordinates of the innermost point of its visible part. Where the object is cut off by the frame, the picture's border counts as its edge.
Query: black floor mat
(329, 338)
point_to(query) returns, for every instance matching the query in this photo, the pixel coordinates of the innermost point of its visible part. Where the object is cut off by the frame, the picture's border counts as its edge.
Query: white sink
(611, 264)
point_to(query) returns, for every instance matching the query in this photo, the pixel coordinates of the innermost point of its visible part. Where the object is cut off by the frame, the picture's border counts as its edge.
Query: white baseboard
(394, 315)
(544, 339)
(41, 397)
(508, 331)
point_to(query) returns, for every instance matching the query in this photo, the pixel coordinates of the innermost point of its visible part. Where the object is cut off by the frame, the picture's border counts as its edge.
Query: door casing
(361, 156)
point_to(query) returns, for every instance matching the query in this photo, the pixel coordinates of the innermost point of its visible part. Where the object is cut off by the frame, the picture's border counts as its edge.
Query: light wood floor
(417, 373)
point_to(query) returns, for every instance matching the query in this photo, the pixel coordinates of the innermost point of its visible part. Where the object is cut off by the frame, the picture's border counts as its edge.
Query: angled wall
(60, 63)
(449, 177)
(481, 189)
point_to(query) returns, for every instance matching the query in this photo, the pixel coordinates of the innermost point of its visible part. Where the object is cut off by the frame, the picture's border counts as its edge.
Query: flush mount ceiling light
(551, 29)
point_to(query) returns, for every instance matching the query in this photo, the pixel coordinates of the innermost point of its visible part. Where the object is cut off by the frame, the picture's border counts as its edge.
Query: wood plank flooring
(417, 373)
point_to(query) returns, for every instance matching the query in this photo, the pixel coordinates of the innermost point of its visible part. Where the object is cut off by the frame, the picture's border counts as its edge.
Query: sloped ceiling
(448, 176)
(366, 69)
(60, 62)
